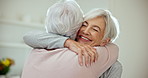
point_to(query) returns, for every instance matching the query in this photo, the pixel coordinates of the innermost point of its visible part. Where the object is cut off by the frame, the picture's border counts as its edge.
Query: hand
(82, 50)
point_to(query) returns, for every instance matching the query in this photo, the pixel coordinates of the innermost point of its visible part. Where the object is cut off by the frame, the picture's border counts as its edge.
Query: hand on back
(86, 54)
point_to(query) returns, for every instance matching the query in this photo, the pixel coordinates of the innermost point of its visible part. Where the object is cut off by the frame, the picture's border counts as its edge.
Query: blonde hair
(112, 25)
(64, 18)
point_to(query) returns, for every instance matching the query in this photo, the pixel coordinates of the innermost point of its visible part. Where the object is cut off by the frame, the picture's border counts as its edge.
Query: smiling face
(92, 31)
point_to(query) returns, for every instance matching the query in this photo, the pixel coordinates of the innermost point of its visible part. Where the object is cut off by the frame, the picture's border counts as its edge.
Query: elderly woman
(69, 16)
(98, 29)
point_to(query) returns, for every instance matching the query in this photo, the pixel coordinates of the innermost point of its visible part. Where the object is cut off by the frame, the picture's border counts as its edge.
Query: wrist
(67, 42)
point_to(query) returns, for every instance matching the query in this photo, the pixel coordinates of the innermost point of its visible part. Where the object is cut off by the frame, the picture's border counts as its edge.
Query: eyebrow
(93, 25)
(85, 22)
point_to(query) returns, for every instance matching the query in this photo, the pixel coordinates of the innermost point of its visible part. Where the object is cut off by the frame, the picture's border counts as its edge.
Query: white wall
(133, 18)
(132, 15)
(36, 9)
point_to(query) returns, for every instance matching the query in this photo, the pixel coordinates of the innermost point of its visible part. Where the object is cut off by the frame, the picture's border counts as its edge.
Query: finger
(80, 58)
(97, 56)
(95, 53)
(86, 56)
(91, 53)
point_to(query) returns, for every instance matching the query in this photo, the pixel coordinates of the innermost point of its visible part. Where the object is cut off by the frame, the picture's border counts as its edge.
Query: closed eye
(96, 29)
(84, 24)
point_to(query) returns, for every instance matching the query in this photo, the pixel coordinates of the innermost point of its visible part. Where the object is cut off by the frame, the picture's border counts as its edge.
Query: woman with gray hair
(98, 29)
(64, 18)
(112, 25)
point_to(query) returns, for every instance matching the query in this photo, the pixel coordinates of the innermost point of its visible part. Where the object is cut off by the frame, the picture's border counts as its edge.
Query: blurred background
(20, 16)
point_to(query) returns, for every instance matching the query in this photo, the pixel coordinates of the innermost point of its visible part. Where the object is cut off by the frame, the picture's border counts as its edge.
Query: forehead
(97, 21)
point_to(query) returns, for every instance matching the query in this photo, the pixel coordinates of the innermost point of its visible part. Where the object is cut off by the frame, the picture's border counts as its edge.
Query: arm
(39, 39)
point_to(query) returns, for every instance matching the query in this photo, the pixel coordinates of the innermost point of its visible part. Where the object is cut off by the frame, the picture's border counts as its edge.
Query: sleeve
(114, 71)
(40, 39)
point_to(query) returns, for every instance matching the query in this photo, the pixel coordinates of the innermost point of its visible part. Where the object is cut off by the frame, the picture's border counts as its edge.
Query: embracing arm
(40, 39)
(108, 55)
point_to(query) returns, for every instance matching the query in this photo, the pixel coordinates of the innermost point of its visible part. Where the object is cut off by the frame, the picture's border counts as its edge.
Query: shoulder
(114, 71)
(116, 66)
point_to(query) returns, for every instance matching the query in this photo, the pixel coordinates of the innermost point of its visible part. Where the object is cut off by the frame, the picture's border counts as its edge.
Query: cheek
(79, 32)
(81, 29)
(97, 37)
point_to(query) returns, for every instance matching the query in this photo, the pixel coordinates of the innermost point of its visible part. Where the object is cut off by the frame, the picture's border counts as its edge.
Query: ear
(105, 41)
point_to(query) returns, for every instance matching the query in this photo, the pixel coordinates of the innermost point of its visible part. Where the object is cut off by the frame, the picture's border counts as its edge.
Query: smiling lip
(83, 38)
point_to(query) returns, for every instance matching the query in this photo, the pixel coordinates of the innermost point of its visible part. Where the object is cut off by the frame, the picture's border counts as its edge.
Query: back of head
(112, 25)
(64, 18)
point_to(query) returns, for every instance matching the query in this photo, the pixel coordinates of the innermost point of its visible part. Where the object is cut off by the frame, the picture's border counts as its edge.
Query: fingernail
(95, 60)
(86, 65)
(81, 64)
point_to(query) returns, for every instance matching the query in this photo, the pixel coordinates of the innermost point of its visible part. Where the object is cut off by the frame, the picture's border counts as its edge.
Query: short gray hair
(64, 18)
(112, 25)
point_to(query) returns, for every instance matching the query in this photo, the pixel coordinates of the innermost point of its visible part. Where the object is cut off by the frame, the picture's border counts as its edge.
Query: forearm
(39, 39)
(107, 56)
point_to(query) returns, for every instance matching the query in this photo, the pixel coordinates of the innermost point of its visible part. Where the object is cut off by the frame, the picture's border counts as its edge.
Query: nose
(86, 31)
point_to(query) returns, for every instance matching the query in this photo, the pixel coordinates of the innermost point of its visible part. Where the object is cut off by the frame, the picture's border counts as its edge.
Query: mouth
(84, 38)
